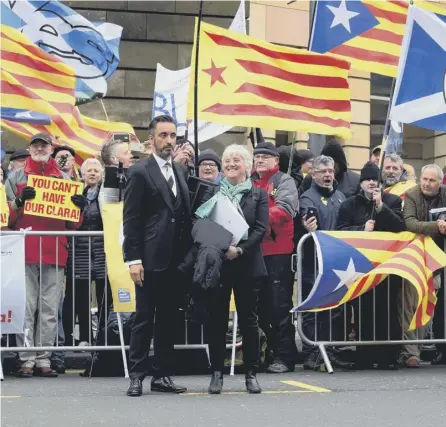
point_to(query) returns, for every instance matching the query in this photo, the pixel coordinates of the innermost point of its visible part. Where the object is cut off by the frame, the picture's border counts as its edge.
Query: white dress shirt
(162, 165)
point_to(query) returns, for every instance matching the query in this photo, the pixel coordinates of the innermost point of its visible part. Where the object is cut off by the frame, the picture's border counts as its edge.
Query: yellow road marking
(74, 371)
(9, 397)
(230, 393)
(308, 387)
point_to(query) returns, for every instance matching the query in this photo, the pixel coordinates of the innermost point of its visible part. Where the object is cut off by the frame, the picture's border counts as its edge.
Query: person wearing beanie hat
(209, 165)
(370, 172)
(267, 148)
(356, 214)
(275, 298)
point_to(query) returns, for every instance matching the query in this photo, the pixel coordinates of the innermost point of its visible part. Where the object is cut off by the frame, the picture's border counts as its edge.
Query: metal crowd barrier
(352, 313)
(193, 338)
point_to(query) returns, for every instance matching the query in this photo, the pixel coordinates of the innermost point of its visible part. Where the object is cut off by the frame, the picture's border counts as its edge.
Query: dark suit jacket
(255, 209)
(149, 218)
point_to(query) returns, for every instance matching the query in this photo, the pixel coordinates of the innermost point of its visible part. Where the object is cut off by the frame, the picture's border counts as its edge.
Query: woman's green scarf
(233, 192)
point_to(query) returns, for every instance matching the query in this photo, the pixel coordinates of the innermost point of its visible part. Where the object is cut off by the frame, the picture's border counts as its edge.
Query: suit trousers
(156, 308)
(246, 298)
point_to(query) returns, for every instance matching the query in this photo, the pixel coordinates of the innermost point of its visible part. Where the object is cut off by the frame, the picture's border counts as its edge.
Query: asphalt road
(405, 398)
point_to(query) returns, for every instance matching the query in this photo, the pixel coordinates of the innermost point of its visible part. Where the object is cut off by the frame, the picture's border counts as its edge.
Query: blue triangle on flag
(329, 33)
(335, 257)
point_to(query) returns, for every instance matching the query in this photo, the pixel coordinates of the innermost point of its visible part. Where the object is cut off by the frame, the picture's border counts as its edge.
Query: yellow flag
(245, 81)
(4, 209)
(122, 286)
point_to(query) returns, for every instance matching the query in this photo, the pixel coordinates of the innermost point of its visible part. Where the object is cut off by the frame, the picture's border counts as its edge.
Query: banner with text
(172, 91)
(12, 284)
(4, 209)
(122, 286)
(53, 198)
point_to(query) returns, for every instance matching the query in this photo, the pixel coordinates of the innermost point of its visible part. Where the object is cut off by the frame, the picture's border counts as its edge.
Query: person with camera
(45, 257)
(157, 236)
(319, 209)
(373, 210)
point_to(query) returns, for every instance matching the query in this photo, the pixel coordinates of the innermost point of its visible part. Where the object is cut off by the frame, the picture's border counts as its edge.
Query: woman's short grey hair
(436, 167)
(395, 158)
(322, 160)
(239, 150)
(88, 162)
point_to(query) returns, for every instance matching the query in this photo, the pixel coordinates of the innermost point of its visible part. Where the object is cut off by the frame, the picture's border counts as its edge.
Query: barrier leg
(234, 341)
(121, 339)
(1, 370)
(326, 359)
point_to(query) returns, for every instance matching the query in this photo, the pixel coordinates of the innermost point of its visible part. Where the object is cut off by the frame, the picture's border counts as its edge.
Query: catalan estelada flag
(35, 81)
(351, 263)
(400, 188)
(367, 33)
(244, 81)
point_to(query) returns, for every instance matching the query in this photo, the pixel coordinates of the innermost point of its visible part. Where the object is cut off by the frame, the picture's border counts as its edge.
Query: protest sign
(12, 284)
(53, 198)
(122, 286)
(4, 210)
(172, 91)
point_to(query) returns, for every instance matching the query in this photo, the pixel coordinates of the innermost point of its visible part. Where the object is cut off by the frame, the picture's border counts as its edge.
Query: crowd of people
(173, 247)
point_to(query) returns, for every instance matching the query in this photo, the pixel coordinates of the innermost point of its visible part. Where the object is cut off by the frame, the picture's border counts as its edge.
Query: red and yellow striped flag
(34, 80)
(400, 188)
(411, 256)
(378, 49)
(244, 81)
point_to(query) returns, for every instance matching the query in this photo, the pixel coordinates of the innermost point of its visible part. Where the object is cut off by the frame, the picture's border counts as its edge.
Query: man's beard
(40, 157)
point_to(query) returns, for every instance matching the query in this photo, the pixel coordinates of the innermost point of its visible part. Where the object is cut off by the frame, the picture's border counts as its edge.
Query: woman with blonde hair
(243, 269)
(86, 261)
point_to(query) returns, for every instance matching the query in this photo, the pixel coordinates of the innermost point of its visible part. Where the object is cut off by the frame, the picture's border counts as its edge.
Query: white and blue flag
(420, 90)
(91, 49)
(24, 116)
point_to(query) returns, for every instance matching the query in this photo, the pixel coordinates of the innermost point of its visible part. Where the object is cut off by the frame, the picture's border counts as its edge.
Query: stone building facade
(162, 31)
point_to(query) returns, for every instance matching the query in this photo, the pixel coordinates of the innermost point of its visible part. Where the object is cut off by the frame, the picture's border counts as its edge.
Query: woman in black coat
(86, 263)
(243, 269)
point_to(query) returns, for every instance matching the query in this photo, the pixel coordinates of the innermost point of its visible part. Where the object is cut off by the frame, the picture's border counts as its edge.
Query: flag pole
(384, 144)
(105, 111)
(197, 51)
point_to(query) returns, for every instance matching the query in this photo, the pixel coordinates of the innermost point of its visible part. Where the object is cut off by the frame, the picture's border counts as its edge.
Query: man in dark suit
(156, 238)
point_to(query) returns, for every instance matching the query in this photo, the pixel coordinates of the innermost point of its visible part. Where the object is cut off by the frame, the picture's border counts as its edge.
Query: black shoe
(439, 358)
(279, 367)
(58, 366)
(251, 383)
(135, 388)
(216, 384)
(166, 385)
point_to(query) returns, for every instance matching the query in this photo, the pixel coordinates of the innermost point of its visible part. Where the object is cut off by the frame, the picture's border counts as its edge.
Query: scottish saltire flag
(24, 116)
(92, 49)
(350, 263)
(366, 33)
(420, 89)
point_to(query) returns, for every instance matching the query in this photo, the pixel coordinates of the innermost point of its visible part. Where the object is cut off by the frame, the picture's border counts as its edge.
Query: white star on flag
(347, 277)
(342, 15)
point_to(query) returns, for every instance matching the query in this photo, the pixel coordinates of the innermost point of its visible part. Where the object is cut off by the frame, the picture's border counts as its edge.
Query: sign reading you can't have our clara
(53, 198)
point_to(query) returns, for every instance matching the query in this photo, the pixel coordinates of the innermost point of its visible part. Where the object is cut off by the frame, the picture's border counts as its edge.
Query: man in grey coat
(319, 209)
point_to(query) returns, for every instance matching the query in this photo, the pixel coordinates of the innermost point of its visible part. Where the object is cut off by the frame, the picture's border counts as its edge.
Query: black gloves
(79, 200)
(28, 193)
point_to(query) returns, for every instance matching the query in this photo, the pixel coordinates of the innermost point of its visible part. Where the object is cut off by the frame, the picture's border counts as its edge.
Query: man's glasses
(205, 165)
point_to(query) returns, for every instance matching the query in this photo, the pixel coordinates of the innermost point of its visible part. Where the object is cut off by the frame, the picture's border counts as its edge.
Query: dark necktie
(170, 181)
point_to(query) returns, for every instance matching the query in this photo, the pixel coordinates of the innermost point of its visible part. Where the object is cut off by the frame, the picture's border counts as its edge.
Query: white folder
(226, 215)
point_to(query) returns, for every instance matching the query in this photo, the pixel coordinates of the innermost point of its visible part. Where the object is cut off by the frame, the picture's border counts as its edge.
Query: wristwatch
(239, 251)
